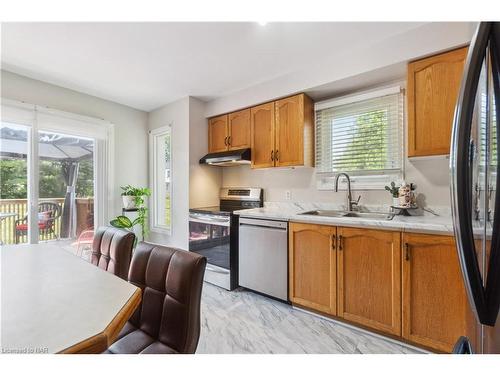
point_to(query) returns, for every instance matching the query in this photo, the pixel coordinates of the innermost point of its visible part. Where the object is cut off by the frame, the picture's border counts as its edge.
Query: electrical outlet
(288, 195)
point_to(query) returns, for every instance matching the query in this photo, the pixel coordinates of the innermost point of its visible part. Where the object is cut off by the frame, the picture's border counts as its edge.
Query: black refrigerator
(474, 167)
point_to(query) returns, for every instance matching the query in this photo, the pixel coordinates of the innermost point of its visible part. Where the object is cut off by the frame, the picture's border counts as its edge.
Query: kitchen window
(161, 165)
(361, 135)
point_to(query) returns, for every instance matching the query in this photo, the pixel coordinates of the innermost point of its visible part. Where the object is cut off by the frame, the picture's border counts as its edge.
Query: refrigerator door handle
(461, 176)
(493, 276)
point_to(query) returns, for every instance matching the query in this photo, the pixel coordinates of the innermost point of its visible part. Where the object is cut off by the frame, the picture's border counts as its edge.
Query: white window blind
(362, 137)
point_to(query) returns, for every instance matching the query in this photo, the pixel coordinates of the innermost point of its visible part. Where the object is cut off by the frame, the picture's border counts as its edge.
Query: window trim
(360, 180)
(153, 164)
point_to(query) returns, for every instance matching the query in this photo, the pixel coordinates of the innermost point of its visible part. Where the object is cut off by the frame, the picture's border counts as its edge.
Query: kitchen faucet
(350, 202)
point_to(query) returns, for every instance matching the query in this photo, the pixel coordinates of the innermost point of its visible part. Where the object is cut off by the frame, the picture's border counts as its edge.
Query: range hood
(227, 158)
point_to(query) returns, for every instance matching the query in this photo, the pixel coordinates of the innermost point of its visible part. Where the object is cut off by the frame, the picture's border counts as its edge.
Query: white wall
(130, 145)
(204, 181)
(431, 177)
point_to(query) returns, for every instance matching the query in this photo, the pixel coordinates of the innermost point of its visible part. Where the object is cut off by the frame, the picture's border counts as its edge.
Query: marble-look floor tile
(245, 322)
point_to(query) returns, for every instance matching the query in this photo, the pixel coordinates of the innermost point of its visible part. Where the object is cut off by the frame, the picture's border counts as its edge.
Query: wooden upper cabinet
(294, 131)
(433, 86)
(218, 134)
(435, 307)
(312, 267)
(239, 129)
(369, 278)
(262, 135)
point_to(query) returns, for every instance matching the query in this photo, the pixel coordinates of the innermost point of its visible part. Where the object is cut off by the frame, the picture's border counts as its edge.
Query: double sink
(362, 215)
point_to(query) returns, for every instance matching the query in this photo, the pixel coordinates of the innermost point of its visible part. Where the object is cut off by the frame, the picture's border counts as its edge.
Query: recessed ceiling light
(262, 23)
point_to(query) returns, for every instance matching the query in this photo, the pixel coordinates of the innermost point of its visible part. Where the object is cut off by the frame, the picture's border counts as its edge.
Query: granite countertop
(423, 223)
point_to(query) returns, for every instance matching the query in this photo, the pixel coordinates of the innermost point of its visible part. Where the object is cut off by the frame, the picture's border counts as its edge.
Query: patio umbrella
(68, 150)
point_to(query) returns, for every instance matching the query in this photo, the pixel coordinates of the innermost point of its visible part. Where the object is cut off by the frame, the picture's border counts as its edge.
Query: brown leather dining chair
(168, 319)
(112, 250)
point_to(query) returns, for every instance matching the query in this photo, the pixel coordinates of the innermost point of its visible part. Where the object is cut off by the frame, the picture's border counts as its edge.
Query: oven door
(209, 235)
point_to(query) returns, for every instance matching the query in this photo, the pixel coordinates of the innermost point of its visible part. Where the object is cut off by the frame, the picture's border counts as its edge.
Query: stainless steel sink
(329, 213)
(371, 215)
(363, 215)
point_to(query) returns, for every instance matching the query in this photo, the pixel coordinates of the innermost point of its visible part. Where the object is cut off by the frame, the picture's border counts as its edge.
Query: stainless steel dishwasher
(263, 256)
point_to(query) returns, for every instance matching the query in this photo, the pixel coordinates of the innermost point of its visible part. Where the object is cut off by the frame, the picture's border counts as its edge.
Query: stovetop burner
(233, 199)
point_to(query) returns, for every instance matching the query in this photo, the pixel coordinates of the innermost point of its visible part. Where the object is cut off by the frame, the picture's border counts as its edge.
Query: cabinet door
(217, 134)
(312, 266)
(433, 85)
(290, 131)
(262, 135)
(369, 278)
(435, 306)
(239, 129)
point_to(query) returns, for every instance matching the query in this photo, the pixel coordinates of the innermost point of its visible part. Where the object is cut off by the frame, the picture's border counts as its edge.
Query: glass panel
(162, 181)
(13, 183)
(66, 191)
(211, 241)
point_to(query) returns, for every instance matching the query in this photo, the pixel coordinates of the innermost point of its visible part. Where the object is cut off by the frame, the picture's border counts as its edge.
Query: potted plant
(133, 197)
(124, 222)
(394, 190)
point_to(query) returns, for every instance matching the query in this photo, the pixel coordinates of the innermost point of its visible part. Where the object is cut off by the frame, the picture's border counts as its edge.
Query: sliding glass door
(54, 170)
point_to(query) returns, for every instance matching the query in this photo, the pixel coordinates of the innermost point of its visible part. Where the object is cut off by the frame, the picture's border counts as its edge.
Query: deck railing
(20, 208)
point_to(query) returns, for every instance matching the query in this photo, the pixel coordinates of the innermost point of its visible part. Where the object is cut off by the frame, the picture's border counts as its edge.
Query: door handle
(229, 141)
(276, 155)
(334, 242)
(407, 251)
(272, 155)
(461, 178)
(225, 141)
(340, 242)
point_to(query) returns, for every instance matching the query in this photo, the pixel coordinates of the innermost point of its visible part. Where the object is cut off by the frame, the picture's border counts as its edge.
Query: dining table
(55, 302)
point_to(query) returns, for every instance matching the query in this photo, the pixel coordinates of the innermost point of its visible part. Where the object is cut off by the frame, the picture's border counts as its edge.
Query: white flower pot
(128, 202)
(395, 202)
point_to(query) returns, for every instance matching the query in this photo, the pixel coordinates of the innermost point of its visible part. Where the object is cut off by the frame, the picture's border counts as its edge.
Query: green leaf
(121, 222)
(115, 223)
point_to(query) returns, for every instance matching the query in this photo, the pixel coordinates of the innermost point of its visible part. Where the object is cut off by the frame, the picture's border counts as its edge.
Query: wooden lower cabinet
(435, 307)
(312, 267)
(403, 284)
(369, 278)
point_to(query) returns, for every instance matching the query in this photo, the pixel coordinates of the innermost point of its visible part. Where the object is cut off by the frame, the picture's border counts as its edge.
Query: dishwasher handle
(282, 225)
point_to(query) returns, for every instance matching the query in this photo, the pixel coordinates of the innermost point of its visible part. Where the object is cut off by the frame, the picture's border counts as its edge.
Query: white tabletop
(52, 300)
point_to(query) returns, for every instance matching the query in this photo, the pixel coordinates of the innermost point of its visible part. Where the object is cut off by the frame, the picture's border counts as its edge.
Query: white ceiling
(147, 65)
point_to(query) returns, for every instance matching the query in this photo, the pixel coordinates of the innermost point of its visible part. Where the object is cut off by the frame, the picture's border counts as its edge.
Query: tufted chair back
(112, 250)
(171, 281)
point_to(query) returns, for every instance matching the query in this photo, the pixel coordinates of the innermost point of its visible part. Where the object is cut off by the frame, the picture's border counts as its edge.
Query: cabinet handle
(272, 155)
(225, 141)
(229, 141)
(276, 154)
(407, 251)
(334, 241)
(340, 242)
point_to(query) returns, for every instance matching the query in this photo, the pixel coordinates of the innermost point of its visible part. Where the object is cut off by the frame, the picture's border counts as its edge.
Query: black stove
(213, 233)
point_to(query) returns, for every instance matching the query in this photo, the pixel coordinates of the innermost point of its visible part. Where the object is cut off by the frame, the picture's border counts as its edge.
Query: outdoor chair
(48, 213)
(85, 239)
